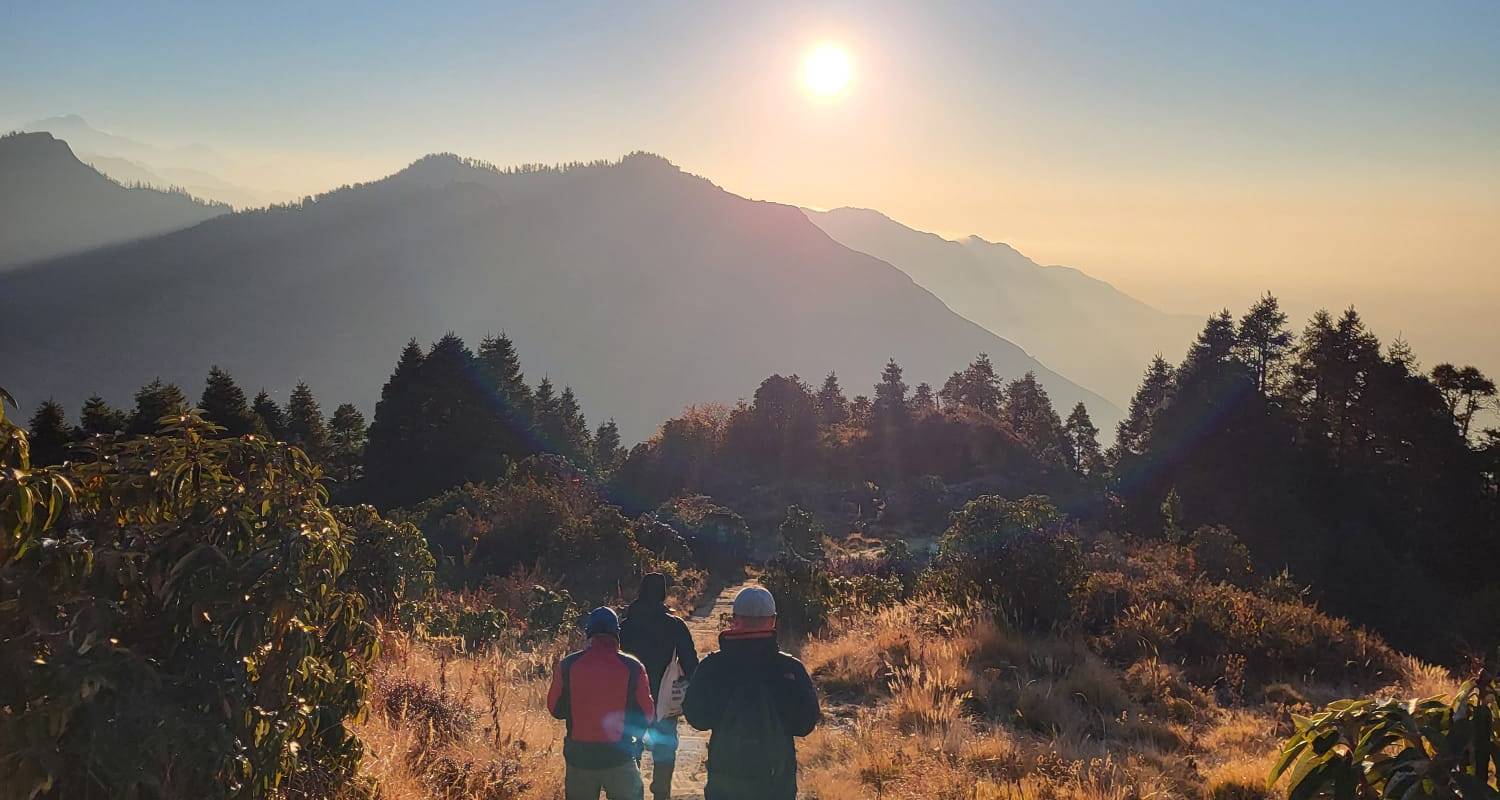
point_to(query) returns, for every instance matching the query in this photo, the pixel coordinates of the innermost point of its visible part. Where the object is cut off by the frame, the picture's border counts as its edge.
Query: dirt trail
(692, 745)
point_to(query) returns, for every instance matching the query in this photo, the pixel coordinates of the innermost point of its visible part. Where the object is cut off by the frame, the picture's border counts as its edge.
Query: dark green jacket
(766, 767)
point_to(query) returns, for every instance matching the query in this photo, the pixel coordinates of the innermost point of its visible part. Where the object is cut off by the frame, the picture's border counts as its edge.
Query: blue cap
(602, 620)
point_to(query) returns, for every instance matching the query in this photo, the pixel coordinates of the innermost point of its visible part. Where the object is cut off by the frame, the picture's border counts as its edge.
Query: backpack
(751, 725)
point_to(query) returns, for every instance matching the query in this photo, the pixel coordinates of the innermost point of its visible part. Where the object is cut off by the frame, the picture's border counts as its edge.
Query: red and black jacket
(604, 696)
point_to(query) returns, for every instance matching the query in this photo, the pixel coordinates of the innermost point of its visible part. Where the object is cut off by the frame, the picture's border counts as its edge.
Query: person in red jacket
(605, 697)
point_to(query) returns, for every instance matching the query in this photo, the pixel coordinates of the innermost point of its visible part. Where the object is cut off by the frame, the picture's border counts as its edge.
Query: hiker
(650, 633)
(603, 695)
(755, 699)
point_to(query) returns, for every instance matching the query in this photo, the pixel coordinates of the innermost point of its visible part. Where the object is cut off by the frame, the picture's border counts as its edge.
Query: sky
(1193, 153)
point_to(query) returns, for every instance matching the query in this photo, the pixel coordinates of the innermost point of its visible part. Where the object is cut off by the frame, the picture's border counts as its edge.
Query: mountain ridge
(1080, 325)
(643, 286)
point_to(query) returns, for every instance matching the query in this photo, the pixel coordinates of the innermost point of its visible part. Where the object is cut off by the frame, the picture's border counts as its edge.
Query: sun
(826, 70)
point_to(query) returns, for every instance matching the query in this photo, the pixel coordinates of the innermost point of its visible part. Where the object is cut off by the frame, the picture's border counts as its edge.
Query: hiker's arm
(643, 695)
(687, 652)
(557, 704)
(798, 700)
(703, 705)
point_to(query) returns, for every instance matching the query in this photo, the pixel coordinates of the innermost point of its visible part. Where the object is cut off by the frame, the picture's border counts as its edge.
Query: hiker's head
(754, 609)
(602, 621)
(653, 588)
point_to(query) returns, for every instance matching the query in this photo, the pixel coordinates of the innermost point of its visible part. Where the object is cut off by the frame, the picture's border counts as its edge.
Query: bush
(389, 562)
(1219, 555)
(718, 537)
(178, 629)
(1015, 557)
(1425, 748)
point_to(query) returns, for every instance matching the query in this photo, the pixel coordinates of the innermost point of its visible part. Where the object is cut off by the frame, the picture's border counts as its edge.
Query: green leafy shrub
(718, 537)
(1219, 555)
(1014, 556)
(801, 533)
(1151, 603)
(1425, 748)
(174, 625)
(389, 562)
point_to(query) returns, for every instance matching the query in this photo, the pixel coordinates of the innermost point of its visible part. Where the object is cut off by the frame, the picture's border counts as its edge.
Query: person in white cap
(755, 699)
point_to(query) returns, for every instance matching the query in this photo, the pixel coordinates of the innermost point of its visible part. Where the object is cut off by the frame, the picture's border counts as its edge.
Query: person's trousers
(661, 737)
(618, 783)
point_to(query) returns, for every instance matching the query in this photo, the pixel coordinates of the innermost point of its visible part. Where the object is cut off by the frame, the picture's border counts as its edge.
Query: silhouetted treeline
(1338, 463)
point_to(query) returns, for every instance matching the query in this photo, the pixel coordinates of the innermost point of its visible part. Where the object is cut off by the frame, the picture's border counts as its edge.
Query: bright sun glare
(826, 70)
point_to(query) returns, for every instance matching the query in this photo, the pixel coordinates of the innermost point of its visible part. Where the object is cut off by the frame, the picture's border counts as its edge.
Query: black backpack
(750, 737)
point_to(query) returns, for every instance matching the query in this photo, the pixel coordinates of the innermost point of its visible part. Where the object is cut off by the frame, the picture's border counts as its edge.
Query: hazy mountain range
(643, 287)
(1079, 325)
(195, 169)
(50, 204)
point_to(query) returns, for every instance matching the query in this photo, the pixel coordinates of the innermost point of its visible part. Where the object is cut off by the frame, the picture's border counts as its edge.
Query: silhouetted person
(755, 699)
(650, 633)
(603, 695)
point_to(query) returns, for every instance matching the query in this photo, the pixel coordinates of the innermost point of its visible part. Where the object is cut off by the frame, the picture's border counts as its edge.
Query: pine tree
(152, 402)
(576, 444)
(1029, 412)
(1083, 442)
(833, 407)
(510, 397)
(51, 435)
(394, 443)
(305, 427)
(346, 439)
(1134, 432)
(922, 400)
(608, 453)
(547, 416)
(224, 404)
(100, 418)
(1263, 342)
(270, 420)
(1171, 517)
(1214, 347)
(976, 388)
(890, 406)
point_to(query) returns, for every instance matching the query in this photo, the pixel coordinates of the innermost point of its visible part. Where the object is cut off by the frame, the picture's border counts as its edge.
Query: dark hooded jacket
(746, 762)
(651, 633)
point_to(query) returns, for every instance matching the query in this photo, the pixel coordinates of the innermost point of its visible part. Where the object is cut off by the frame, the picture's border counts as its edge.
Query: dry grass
(446, 727)
(925, 700)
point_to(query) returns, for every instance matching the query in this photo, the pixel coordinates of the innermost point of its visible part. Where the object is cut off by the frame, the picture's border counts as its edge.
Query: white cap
(754, 601)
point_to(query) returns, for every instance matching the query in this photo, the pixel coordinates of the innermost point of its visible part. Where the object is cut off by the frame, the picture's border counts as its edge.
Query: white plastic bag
(671, 691)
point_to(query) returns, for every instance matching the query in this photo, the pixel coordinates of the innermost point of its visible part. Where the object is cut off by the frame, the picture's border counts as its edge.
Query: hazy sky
(1193, 153)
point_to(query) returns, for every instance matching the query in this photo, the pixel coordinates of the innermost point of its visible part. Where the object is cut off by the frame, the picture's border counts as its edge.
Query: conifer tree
(305, 426)
(576, 444)
(224, 404)
(547, 416)
(1214, 347)
(890, 406)
(833, 407)
(1029, 412)
(51, 435)
(509, 396)
(346, 439)
(152, 402)
(1263, 342)
(922, 400)
(394, 439)
(100, 418)
(608, 452)
(1083, 442)
(1134, 432)
(270, 420)
(976, 388)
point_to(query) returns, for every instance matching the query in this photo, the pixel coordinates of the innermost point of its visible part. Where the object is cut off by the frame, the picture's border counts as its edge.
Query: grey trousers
(617, 783)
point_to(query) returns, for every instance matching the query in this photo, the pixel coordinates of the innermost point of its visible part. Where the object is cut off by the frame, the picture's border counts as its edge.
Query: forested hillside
(643, 287)
(52, 204)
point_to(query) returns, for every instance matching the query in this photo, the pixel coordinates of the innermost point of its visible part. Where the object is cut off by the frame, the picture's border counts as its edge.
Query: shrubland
(199, 602)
